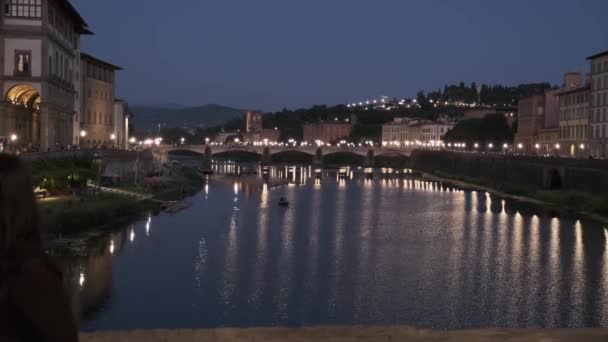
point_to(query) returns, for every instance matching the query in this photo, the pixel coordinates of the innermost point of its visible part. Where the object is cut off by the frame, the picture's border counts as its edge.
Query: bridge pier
(370, 159)
(317, 160)
(207, 163)
(266, 157)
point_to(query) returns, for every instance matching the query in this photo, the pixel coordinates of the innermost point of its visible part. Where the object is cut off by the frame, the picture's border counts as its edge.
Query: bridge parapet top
(280, 149)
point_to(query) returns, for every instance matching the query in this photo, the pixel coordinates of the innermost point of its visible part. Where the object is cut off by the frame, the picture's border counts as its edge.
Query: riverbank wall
(582, 175)
(349, 334)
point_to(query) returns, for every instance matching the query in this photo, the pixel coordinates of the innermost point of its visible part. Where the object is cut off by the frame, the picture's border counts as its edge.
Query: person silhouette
(33, 302)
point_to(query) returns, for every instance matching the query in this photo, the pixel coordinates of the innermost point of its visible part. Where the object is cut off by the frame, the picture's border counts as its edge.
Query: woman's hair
(18, 210)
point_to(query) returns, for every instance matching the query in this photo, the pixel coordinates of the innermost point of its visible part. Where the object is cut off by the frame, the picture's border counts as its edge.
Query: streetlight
(112, 136)
(182, 140)
(237, 140)
(476, 145)
(14, 137)
(83, 133)
(557, 146)
(132, 140)
(582, 146)
(491, 146)
(520, 146)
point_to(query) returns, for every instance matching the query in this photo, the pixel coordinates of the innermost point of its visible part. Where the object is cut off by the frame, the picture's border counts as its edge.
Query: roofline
(598, 55)
(81, 24)
(84, 55)
(574, 90)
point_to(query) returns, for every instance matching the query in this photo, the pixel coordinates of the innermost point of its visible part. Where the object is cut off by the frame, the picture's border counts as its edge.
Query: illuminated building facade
(40, 54)
(97, 121)
(599, 104)
(327, 132)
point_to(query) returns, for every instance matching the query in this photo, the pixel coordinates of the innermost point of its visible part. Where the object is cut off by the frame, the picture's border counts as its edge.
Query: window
(56, 69)
(23, 60)
(23, 8)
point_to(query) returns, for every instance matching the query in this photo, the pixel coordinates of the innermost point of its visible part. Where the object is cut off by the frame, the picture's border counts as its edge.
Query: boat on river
(177, 207)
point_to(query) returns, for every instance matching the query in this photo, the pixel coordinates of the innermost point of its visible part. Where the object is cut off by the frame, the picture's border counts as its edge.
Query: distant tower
(254, 122)
(478, 88)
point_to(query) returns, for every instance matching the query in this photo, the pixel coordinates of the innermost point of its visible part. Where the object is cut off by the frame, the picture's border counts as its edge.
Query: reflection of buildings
(255, 132)
(97, 98)
(39, 79)
(89, 279)
(327, 132)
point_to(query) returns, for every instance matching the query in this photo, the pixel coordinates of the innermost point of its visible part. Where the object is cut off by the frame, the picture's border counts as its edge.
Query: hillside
(148, 117)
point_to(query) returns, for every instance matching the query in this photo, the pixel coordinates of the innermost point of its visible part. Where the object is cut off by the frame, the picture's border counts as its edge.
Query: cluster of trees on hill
(369, 121)
(490, 94)
(493, 128)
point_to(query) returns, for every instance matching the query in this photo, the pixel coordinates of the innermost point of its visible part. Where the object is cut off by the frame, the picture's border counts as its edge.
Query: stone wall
(348, 334)
(572, 174)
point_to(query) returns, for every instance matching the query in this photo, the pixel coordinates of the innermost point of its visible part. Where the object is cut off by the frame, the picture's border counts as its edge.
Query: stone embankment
(348, 334)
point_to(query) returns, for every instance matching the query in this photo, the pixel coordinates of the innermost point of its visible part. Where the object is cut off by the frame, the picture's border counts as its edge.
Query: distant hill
(148, 117)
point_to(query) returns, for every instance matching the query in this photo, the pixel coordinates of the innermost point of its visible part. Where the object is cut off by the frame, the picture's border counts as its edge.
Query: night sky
(274, 54)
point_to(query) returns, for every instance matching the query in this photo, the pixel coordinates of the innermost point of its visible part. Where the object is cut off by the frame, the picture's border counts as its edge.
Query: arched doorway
(24, 95)
(572, 151)
(21, 118)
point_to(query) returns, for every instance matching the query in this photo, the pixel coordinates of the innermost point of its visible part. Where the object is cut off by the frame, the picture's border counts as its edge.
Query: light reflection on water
(387, 250)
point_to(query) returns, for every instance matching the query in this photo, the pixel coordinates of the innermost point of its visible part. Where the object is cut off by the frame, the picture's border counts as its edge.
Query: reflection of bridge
(267, 152)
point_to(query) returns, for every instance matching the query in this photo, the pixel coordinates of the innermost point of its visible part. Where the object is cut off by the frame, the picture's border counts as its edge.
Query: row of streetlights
(84, 133)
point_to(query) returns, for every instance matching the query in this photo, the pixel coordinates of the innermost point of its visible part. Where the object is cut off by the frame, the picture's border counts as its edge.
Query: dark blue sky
(270, 54)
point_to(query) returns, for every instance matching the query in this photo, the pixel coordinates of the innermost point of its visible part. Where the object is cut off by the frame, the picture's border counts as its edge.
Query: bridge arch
(292, 157)
(238, 154)
(343, 158)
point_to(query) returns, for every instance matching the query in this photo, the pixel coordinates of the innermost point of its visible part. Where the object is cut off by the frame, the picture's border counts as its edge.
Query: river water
(352, 250)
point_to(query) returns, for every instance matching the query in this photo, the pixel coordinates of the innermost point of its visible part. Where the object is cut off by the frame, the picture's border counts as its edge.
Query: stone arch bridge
(266, 152)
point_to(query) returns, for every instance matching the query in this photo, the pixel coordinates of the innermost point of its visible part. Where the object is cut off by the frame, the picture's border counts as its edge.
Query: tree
(492, 128)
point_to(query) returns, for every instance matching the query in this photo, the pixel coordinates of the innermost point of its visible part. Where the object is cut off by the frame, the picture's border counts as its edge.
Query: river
(351, 250)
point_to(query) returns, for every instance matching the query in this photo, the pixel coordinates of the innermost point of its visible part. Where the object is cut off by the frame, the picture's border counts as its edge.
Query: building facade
(253, 122)
(574, 121)
(395, 132)
(599, 104)
(40, 53)
(326, 132)
(97, 121)
(429, 132)
(255, 131)
(531, 118)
